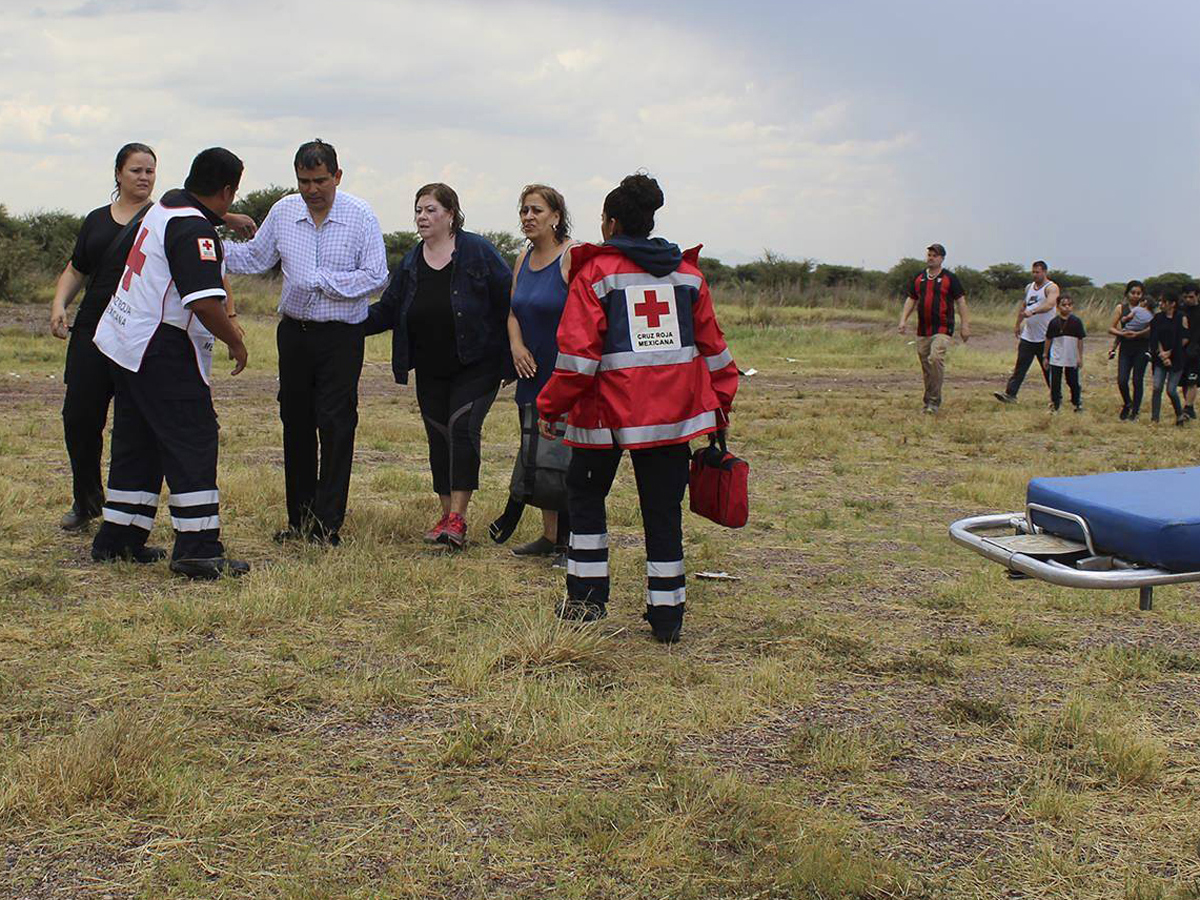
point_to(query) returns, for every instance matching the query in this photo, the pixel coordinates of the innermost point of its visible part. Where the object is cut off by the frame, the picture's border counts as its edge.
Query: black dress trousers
(319, 367)
(89, 381)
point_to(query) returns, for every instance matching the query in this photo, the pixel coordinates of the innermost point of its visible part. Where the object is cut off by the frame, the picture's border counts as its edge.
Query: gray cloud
(854, 133)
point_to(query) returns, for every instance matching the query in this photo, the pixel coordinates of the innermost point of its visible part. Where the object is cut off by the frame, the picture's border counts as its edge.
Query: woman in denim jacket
(447, 308)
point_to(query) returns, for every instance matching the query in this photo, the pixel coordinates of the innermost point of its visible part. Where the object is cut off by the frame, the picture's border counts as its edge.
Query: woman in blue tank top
(538, 296)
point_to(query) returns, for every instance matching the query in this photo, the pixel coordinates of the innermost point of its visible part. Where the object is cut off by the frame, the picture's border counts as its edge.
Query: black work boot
(572, 609)
(209, 569)
(666, 622)
(142, 555)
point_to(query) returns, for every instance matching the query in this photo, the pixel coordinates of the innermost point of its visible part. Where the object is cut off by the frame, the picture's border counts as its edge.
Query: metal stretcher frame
(1086, 569)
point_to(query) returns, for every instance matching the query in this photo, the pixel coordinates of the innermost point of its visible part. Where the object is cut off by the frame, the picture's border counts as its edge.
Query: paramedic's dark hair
(315, 154)
(633, 203)
(212, 170)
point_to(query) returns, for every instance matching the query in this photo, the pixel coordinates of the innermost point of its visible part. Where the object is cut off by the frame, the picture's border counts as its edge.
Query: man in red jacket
(643, 366)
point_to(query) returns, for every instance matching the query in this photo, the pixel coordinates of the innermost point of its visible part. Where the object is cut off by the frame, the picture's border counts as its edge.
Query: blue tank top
(537, 302)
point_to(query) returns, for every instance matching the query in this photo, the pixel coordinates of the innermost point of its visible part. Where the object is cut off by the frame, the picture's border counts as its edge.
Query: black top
(91, 258)
(1166, 333)
(431, 321)
(1192, 314)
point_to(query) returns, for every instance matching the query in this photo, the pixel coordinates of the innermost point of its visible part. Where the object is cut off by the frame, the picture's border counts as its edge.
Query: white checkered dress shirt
(328, 272)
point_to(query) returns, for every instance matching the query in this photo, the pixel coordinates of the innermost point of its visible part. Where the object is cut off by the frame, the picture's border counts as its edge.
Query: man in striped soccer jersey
(935, 293)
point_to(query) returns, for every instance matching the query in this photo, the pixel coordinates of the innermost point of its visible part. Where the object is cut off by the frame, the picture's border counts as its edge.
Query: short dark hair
(557, 204)
(123, 157)
(212, 170)
(445, 195)
(1130, 285)
(314, 154)
(633, 203)
(1040, 264)
(1190, 288)
(1064, 296)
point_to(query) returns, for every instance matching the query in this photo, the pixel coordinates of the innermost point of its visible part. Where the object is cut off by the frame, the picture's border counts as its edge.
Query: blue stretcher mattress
(1150, 517)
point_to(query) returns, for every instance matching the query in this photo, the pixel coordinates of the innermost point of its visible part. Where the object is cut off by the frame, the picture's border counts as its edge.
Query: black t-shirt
(1192, 314)
(431, 330)
(1166, 333)
(91, 258)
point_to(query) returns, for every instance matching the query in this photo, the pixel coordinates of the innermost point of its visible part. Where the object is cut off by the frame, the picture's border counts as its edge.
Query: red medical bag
(719, 484)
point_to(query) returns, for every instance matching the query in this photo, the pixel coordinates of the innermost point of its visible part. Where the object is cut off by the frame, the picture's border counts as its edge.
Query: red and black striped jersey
(935, 301)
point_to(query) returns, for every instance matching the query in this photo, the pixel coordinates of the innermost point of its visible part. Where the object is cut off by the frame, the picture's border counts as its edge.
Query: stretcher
(1117, 530)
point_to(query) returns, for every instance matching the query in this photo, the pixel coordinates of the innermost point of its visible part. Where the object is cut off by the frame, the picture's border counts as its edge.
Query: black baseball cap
(937, 248)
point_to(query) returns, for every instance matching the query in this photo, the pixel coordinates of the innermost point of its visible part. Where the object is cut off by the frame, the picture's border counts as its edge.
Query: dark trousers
(1056, 380)
(1027, 352)
(89, 381)
(163, 425)
(319, 367)
(662, 477)
(1164, 377)
(454, 407)
(1131, 364)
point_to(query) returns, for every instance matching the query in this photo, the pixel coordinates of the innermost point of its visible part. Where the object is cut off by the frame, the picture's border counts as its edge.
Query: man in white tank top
(1033, 315)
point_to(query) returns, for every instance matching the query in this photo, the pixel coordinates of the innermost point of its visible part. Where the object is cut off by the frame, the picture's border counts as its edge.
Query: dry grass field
(869, 712)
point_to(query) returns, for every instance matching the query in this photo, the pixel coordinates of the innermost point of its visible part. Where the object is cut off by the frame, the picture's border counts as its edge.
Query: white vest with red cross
(147, 297)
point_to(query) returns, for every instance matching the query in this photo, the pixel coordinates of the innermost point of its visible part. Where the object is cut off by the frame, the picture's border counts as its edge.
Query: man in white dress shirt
(333, 260)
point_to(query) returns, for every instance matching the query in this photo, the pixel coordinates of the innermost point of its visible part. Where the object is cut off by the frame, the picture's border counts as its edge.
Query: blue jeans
(1165, 376)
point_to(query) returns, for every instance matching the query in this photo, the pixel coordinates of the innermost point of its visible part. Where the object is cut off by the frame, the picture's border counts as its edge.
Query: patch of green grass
(1094, 738)
(983, 711)
(1032, 635)
(845, 752)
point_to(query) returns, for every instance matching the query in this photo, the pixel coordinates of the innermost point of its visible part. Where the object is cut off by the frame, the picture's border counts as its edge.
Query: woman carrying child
(1131, 326)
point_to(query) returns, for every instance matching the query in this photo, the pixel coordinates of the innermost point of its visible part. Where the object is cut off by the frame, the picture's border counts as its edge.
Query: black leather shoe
(209, 569)
(543, 546)
(75, 519)
(143, 555)
(287, 534)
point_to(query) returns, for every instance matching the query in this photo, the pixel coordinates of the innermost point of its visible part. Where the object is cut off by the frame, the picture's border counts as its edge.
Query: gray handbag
(539, 476)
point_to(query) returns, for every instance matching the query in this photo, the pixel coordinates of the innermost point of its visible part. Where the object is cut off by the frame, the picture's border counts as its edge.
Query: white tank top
(1034, 328)
(148, 297)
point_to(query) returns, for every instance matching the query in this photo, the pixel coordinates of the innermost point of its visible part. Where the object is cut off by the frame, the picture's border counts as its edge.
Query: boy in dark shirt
(1064, 351)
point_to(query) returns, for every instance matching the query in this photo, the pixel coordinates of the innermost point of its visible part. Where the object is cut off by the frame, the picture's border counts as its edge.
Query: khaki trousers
(931, 351)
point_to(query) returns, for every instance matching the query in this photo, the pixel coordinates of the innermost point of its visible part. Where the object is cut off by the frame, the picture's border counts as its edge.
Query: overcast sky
(853, 132)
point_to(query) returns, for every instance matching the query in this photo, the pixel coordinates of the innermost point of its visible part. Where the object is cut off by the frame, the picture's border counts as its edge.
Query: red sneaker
(434, 534)
(454, 532)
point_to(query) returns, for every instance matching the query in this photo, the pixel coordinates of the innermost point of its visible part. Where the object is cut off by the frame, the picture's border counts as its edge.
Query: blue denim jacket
(481, 282)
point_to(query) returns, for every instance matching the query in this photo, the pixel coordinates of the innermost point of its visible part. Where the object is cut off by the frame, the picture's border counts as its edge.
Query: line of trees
(34, 248)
